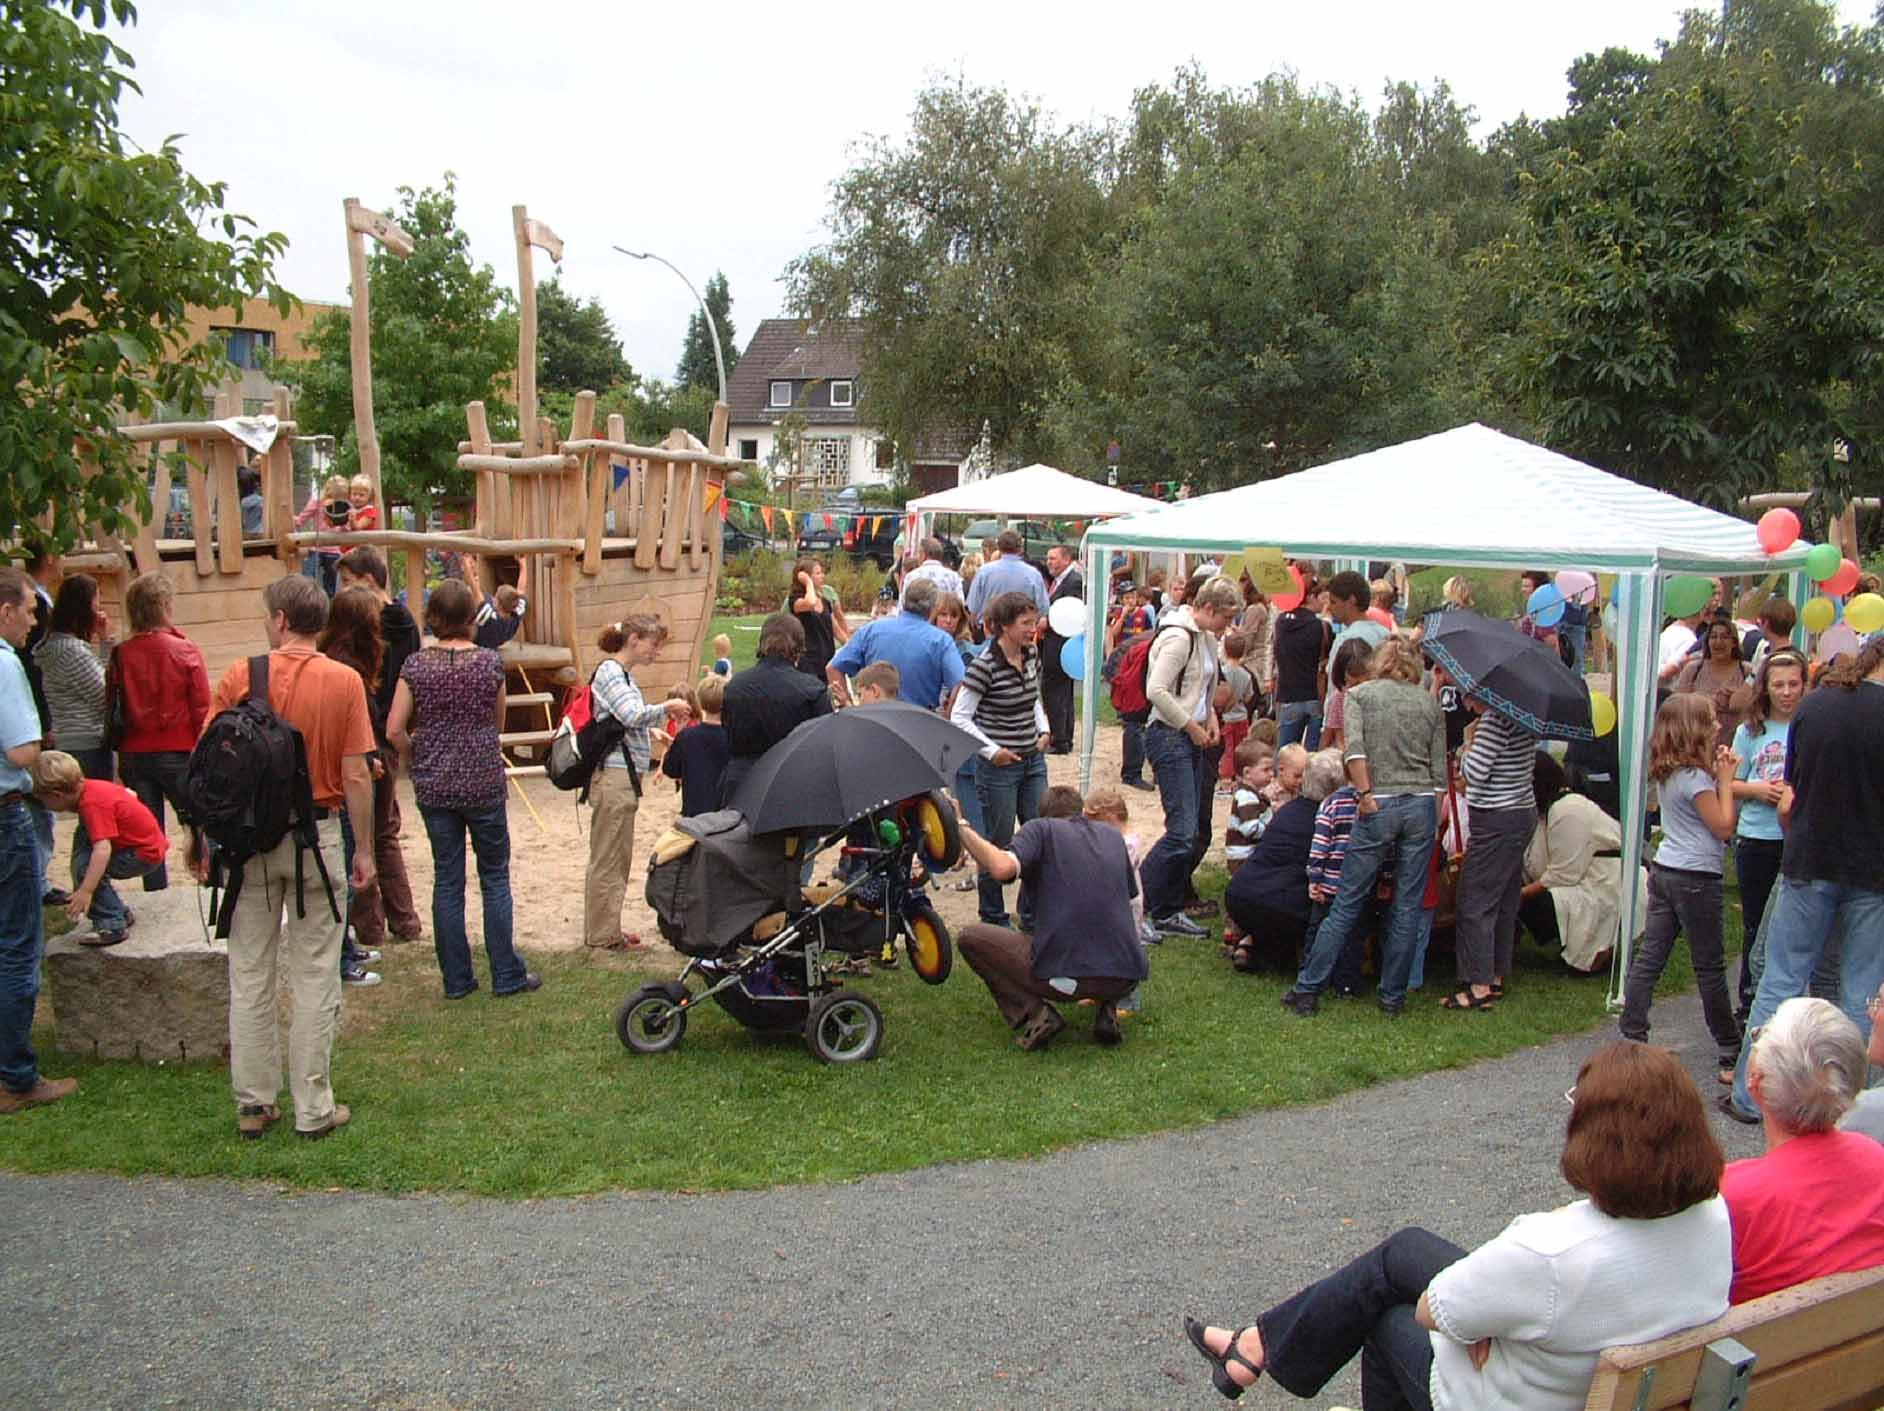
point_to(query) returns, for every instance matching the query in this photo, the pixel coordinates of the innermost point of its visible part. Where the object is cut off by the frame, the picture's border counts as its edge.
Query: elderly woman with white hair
(1814, 1203)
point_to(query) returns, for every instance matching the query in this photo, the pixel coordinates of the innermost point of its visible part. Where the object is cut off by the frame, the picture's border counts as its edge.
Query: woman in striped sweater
(999, 704)
(1497, 765)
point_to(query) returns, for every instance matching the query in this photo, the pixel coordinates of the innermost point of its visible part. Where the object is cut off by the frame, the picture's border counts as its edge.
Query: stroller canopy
(710, 879)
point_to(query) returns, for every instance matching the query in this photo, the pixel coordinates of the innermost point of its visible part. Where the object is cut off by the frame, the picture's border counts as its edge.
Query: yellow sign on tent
(1268, 570)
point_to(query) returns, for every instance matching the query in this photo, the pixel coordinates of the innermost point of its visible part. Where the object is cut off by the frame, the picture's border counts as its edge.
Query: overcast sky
(711, 134)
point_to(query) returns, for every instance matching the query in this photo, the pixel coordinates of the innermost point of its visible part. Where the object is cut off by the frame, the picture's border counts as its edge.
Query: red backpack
(1128, 678)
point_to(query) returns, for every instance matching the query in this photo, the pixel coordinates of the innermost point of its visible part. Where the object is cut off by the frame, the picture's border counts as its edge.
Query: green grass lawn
(536, 1097)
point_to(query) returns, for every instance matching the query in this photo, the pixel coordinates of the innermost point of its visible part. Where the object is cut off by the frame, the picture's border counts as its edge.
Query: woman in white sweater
(1521, 1320)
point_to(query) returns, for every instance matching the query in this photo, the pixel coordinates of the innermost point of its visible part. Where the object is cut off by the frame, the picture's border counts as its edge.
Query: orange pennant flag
(765, 513)
(713, 496)
(876, 523)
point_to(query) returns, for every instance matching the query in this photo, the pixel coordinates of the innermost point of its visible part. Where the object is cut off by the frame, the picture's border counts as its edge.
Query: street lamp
(719, 359)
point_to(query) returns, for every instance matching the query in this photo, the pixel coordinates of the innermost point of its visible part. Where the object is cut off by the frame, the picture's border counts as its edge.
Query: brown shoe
(254, 1120)
(342, 1115)
(42, 1092)
(1036, 1033)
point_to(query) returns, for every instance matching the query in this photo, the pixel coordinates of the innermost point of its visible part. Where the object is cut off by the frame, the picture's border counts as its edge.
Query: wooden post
(279, 492)
(228, 512)
(678, 511)
(361, 223)
(601, 489)
(706, 536)
(655, 476)
(499, 525)
(144, 545)
(543, 496)
(529, 232)
(415, 583)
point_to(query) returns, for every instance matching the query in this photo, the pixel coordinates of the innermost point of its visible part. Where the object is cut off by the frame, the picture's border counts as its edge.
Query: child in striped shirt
(1334, 821)
(1249, 814)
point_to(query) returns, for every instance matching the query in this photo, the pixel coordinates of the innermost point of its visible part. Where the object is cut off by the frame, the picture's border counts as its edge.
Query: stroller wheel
(926, 938)
(843, 1028)
(938, 833)
(648, 1022)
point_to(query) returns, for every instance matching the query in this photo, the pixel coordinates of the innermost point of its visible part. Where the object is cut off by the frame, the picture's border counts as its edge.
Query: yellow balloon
(1865, 613)
(1602, 713)
(1817, 614)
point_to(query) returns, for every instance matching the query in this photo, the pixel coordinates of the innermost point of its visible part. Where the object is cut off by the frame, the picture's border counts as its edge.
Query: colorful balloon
(1545, 606)
(1821, 562)
(1290, 601)
(1683, 597)
(1073, 657)
(1577, 586)
(1843, 581)
(1778, 530)
(1602, 713)
(1067, 617)
(1817, 614)
(1865, 613)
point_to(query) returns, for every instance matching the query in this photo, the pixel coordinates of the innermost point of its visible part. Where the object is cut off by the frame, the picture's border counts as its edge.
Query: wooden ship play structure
(607, 528)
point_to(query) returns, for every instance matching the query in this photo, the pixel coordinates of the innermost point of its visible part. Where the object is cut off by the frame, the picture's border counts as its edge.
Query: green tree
(577, 349)
(444, 334)
(1694, 299)
(103, 255)
(697, 367)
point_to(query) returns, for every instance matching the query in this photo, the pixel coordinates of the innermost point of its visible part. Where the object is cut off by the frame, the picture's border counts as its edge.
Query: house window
(247, 347)
(841, 394)
(781, 394)
(827, 461)
(886, 455)
(749, 450)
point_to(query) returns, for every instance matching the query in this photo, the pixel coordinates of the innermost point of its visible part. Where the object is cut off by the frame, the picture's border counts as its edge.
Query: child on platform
(365, 514)
(501, 614)
(117, 839)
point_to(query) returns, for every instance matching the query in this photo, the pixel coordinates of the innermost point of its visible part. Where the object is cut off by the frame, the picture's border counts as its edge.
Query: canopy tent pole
(1637, 653)
(1098, 562)
(1797, 589)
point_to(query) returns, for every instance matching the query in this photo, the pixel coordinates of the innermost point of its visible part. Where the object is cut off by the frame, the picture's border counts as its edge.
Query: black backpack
(247, 790)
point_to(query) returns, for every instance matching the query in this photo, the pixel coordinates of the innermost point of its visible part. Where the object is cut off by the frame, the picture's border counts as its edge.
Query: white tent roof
(1469, 496)
(1035, 490)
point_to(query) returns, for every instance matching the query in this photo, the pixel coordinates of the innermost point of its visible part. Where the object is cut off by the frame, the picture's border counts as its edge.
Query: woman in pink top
(1814, 1204)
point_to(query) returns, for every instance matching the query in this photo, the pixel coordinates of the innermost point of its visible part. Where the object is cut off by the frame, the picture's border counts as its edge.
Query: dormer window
(841, 394)
(781, 394)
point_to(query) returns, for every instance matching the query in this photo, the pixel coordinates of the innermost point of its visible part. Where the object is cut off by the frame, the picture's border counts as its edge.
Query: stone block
(161, 995)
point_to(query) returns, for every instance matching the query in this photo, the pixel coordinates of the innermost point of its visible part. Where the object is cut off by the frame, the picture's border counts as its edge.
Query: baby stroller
(761, 943)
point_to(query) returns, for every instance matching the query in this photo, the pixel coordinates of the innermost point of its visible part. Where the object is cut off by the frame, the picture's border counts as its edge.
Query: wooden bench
(1816, 1347)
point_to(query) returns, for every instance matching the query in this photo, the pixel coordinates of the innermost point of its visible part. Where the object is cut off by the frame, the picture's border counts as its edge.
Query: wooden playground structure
(606, 527)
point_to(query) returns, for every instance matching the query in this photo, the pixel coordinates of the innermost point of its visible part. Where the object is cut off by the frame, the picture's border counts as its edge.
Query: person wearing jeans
(1396, 760)
(446, 714)
(1181, 675)
(1759, 842)
(1299, 722)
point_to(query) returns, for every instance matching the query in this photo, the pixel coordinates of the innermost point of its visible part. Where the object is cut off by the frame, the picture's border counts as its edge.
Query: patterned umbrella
(1521, 678)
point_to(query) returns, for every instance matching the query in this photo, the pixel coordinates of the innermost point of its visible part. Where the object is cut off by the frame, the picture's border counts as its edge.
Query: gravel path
(990, 1285)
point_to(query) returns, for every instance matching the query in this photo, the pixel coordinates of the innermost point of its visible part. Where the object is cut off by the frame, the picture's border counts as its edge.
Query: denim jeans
(41, 819)
(489, 828)
(1132, 751)
(1405, 824)
(22, 942)
(1010, 795)
(1682, 903)
(1178, 766)
(108, 911)
(155, 776)
(97, 764)
(1805, 915)
(968, 795)
(1300, 721)
(1365, 1307)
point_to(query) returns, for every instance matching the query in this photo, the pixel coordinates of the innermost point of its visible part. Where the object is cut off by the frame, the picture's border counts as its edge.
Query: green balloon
(1685, 596)
(1822, 562)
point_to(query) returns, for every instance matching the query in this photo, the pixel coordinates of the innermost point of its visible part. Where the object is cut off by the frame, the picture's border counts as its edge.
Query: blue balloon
(1073, 657)
(1546, 605)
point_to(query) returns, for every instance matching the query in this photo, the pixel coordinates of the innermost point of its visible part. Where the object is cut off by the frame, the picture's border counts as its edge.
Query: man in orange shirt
(326, 702)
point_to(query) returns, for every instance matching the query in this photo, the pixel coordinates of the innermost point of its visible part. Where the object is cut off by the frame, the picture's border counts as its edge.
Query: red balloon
(1778, 530)
(1289, 602)
(1843, 581)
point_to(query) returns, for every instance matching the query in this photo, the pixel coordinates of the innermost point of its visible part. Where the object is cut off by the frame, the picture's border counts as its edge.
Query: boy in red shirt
(117, 838)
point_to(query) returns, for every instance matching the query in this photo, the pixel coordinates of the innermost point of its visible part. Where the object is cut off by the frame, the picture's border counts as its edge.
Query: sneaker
(54, 896)
(1301, 1002)
(253, 1121)
(342, 1115)
(1105, 1026)
(42, 1092)
(98, 940)
(967, 884)
(362, 955)
(1148, 934)
(359, 975)
(1726, 1105)
(1178, 924)
(1037, 1032)
(1143, 785)
(531, 981)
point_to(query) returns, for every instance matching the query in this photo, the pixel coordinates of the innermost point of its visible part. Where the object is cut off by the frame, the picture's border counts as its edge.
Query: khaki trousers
(270, 945)
(611, 855)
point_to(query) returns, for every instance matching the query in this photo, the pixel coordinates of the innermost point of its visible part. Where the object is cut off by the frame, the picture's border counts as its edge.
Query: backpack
(583, 741)
(1128, 677)
(248, 789)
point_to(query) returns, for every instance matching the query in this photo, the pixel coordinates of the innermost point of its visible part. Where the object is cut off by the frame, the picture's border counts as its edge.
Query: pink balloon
(1577, 586)
(1843, 581)
(1778, 530)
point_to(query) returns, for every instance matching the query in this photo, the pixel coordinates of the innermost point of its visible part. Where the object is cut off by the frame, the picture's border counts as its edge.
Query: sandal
(1498, 989)
(1220, 1364)
(1465, 999)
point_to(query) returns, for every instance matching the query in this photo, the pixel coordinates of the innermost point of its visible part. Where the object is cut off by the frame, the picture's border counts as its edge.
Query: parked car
(734, 540)
(866, 532)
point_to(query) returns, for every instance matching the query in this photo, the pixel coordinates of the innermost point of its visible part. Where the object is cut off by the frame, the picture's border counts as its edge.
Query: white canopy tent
(1032, 492)
(1475, 498)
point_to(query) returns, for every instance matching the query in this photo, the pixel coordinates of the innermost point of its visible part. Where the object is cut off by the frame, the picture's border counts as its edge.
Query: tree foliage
(444, 334)
(697, 367)
(103, 255)
(577, 349)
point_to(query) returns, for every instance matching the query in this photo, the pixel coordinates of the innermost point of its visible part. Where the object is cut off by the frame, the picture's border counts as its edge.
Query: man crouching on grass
(1085, 942)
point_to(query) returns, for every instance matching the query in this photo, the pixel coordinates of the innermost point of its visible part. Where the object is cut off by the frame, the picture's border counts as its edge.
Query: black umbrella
(839, 767)
(1521, 678)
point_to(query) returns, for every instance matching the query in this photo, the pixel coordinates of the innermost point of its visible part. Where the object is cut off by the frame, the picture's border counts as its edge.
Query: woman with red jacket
(158, 693)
